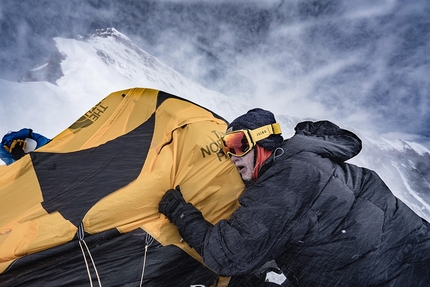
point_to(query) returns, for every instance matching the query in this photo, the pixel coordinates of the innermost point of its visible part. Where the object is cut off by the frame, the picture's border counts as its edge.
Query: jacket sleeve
(6, 156)
(260, 228)
(41, 140)
(22, 134)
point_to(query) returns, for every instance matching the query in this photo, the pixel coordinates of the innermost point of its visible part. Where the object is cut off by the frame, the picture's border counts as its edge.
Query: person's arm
(40, 139)
(6, 156)
(188, 219)
(256, 232)
(22, 134)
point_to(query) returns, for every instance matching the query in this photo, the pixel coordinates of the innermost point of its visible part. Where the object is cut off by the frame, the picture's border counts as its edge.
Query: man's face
(245, 165)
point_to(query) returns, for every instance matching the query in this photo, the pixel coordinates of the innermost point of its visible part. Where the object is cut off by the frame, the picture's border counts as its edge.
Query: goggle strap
(276, 129)
(265, 131)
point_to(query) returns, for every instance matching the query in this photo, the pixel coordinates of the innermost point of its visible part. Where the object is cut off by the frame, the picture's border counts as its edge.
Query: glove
(17, 149)
(172, 203)
(174, 207)
(188, 219)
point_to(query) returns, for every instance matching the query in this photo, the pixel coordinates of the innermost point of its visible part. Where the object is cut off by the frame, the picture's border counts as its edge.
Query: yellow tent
(84, 207)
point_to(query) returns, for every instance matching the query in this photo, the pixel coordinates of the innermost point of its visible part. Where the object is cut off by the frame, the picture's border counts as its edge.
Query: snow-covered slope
(115, 63)
(403, 165)
(91, 68)
(84, 70)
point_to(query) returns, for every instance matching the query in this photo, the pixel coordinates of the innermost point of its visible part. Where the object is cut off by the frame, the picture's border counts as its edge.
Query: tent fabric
(119, 260)
(108, 172)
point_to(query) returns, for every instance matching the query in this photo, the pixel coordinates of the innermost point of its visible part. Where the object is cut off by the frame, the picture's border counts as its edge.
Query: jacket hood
(325, 139)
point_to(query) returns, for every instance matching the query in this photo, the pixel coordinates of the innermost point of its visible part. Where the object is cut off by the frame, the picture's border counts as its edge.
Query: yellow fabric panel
(184, 151)
(209, 181)
(25, 227)
(114, 116)
(34, 235)
(19, 190)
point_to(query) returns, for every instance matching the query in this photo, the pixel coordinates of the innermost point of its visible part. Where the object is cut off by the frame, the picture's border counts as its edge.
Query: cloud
(363, 63)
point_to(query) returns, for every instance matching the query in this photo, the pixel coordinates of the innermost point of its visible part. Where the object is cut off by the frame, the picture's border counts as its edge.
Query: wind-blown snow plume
(89, 68)
(364, 63)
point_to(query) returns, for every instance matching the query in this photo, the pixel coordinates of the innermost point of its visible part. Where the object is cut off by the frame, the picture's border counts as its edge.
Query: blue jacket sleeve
(22, 134)
(41, 140)
(6, 156)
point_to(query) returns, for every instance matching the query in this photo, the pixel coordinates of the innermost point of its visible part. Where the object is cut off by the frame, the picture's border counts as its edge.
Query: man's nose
(234, 158)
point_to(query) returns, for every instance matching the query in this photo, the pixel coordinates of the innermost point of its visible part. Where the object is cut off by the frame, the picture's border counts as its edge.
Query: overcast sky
(359, 62)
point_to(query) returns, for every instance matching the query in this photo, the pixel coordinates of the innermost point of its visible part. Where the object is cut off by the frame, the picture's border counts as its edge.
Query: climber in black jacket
(325, 222)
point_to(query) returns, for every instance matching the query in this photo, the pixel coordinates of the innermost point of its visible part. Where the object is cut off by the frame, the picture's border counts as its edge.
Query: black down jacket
(324, 221)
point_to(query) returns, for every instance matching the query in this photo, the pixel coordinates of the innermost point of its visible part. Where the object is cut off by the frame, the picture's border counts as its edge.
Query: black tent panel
(72, 183)
(119, 260)
(162, 96)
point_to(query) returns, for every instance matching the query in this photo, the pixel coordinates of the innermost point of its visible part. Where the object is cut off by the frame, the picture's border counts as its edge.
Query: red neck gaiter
(262, 155)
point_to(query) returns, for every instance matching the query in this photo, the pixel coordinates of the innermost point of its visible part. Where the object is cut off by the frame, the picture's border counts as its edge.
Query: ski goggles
(240, 142)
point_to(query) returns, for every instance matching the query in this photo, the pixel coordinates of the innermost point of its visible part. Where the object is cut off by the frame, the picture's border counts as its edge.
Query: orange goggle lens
(236, 143)
(240, 142)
